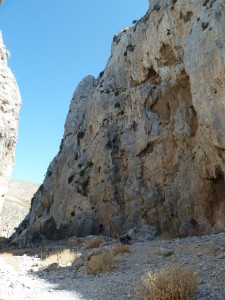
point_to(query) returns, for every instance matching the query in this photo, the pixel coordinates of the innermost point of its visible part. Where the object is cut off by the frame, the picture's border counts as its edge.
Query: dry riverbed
(61, 270)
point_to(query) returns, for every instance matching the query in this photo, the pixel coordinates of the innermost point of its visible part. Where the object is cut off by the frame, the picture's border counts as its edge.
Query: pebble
(59, 287)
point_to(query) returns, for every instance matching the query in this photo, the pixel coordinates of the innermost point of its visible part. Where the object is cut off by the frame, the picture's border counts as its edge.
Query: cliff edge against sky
(10, 102)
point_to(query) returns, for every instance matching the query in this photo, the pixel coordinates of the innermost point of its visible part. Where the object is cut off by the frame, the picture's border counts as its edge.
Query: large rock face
(144, 142)
(10, 102)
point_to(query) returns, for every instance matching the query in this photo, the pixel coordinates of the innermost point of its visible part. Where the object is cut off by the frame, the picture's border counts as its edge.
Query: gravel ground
(23, 276)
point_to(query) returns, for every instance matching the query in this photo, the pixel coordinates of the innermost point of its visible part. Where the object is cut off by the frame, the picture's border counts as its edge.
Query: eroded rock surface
(10, 102)
(144, 142)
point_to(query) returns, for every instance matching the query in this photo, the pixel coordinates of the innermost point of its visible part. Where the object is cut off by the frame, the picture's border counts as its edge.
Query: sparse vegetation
(120, 248)
(93, 244)
(7, 52)
(101, 74)
(76, 243)
(174, 283)
(165, 235)
(63, 258)
(61, 145)
(100, 263)
(103, 262)
(82, 172)
(191, 230)
(90, 164)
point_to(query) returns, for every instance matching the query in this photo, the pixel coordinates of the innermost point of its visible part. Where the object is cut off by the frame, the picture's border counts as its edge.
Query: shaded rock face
(10, 102)
(144, 142)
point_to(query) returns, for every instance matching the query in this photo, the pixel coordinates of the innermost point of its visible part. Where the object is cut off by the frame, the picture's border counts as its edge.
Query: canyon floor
(49, 271)
(27, 274)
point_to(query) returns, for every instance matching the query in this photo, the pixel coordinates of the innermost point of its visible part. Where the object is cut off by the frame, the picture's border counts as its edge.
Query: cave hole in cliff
(204, 25)
(153, 77)
(216, 204)
(147, 150)
(91, 130)
(186, 17)
(193, 121)
(167, 55)
(218, 185)
(174, 101)
(184, 87)
(48, 209)
(162, 108)
(76, 156)
(70, 179)
(150, 76)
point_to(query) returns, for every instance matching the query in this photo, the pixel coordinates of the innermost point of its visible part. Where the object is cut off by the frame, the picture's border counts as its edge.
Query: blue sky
(53, 45)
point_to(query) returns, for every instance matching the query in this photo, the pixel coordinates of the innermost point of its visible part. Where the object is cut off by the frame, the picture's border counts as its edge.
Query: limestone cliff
(145, 141)
(10, 102)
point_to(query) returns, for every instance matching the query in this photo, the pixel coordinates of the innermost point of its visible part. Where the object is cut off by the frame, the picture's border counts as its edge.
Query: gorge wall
(10, 102)
(144, 143)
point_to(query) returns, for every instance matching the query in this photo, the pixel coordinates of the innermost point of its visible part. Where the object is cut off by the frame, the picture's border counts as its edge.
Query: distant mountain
(16, 204)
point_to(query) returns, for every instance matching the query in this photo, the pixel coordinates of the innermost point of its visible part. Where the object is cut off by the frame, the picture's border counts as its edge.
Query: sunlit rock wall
(10, 102)
(144, 142)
